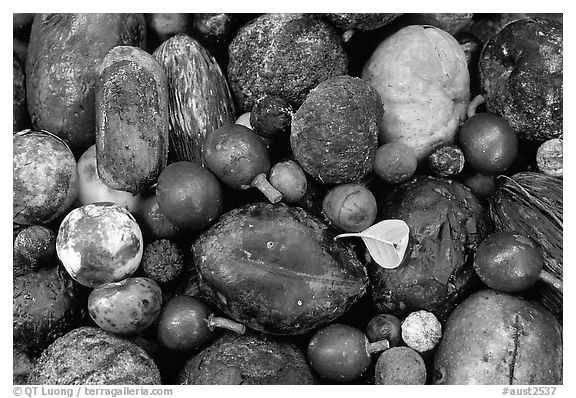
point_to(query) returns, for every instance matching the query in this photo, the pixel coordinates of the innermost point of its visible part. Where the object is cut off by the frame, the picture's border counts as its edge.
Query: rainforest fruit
(395, 163)
(350, 207)
(400, 365)
(289, 179)
(384, 327)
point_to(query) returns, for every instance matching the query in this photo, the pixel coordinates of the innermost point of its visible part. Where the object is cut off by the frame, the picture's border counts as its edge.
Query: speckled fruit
(400, 366)
(421, 331)
(189, 195)
(99, 243)
(93, 190)
(508, 262)
(350, 207)
(45, 178)
(125, 307)
(489, 143)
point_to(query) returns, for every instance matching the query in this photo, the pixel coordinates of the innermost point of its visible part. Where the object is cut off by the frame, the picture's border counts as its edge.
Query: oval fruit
(125, 307)
(422, 76)
(92, 189)
(351, 207)
(277, 269)
(45, 177)
(400, 366)
(497, 338)
(99, 243)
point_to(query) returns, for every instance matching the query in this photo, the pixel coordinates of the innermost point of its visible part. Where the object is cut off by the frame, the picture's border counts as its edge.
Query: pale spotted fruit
(93, 189)
(125, 307)
(99, 243)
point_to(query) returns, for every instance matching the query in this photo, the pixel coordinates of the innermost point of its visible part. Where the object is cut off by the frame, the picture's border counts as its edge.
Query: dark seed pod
(271, 116)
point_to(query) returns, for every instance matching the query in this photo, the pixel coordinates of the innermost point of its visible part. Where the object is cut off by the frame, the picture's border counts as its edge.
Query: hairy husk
(530, 204)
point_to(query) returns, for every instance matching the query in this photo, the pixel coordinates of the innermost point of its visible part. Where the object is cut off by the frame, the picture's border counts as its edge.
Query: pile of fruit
(287, 199)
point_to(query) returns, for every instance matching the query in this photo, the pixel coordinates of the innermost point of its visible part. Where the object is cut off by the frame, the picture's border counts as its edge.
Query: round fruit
(152, 221)
(35, 244)
(341, 352)
(400, 365)
(384, 327)
(489, 144)
(187, 323)
(271, 116)
(45, 178)
(162, 261)
(125, 307)
(421, 331)
(350, 207)
(289, 179)
(189, 195)
(446, 161)
(395, 163)
(92, 189)
(99, 243)
(550, 157)
(481, 184)
(508, 262)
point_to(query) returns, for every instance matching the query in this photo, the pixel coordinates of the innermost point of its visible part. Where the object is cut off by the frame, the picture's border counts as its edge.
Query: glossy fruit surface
(489, 143)
(508, 262)
(289, 178)
(351, 207)
(384, 327)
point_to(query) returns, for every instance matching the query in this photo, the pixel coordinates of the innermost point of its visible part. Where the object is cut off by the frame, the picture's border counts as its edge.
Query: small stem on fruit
(475, 103)
(551, 280)
(218, 322)
(377, 346)
(260, 182)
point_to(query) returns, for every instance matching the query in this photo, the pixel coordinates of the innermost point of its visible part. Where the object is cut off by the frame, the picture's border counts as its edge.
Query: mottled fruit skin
(92, 356)
(384, 327)
(199, 97)
(19, 110)
(131, 119)
(422, 76)
(421, 331)
(489, 144)
(189, 195)
(277, 269)
(446, 161)
(360, 21)
(550, 157)
(46, 304)
(248, 359)
(36, 245)
(44, 179)
(289, 178)
(521, 73)
(508, 262)
(162, 261)
(126, 307)
(236, 155)
(271, 117)
(334, 134)
(285, 55)
(447, 222)
(99, 243)
(400, 366)
(152, 221)
(338, 352)
(497, 338)
(61, 69)
(350, 207)
(92, 189)
(183, 324)
(395, 162)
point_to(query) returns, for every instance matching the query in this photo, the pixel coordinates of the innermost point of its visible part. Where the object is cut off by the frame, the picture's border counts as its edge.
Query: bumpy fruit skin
(189, 195)
(508, 262)
(285, 55)
(88, 355)
(99, 243)
(350, 207)
(497, 338)
(489, 144)
(339, 352)
(422, 76)
(550, 157)
(125, 307)
(521, 72)
(271, 116)
(421, 331)
(92, 189)
(35, 244)
(400, 366)
(45, 178)
(360, 21)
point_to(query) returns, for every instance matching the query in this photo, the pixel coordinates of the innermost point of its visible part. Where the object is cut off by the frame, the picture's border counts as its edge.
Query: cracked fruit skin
(422, 76)
(497, 338)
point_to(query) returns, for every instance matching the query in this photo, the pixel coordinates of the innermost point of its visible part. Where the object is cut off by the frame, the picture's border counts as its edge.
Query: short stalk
(224, 323)
(377, 346)
(260, 182)
(475, 103)
(551, 280)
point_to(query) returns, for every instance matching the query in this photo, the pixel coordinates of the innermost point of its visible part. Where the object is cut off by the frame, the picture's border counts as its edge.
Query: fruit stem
(551, 280)
(218, 322)
(377, 346)
(260, 182)
(475, 103)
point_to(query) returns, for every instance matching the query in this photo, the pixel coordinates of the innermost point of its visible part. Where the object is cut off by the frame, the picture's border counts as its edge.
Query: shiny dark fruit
(271, 117)
(481, 185)
(489, 143)
(187, 324)
(384, 327)
(189, 195)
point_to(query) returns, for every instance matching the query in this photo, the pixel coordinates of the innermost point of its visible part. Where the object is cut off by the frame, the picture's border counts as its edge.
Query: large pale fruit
(422, 77)
(99, 243)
